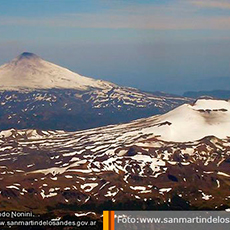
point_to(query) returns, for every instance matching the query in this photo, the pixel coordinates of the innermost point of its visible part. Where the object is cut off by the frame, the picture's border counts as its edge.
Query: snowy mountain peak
(192, 122)
(25, 62)
(27, 55)
(210, 104)
(29, 71)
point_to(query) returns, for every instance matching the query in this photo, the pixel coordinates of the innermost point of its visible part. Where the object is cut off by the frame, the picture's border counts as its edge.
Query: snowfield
(193, 122)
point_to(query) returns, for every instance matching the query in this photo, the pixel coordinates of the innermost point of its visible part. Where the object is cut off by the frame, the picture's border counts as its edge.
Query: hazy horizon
(172, 46)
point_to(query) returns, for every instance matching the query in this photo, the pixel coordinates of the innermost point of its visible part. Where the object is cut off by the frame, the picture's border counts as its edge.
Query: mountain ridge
(218, 94)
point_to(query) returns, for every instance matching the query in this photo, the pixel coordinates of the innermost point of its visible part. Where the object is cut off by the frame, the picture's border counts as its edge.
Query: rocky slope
(179, 160)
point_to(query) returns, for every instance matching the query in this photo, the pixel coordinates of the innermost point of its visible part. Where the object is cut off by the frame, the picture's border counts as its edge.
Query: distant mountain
(30, 72)
(218, 94)
(179, 160)
(35, 93)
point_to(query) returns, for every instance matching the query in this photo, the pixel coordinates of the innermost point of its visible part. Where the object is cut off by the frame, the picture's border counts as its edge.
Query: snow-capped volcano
(38, 94)
(29, 71)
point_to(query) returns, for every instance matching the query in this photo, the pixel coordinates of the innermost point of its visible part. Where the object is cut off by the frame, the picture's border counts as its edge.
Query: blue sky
(168, 45)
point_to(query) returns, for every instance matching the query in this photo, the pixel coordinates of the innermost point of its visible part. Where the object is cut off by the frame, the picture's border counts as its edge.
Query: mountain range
(218, 94)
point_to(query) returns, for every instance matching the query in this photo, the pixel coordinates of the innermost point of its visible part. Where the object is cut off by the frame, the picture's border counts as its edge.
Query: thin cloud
(224, 5)
(174, 16)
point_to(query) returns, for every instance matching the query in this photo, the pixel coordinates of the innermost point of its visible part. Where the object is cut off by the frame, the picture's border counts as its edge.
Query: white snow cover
(28, 71)
(6, 133)
(193, 122)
